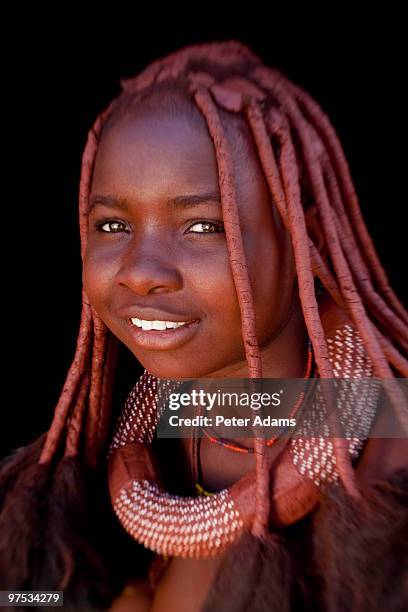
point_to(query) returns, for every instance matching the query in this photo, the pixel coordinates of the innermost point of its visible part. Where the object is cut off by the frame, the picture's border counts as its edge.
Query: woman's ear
(315, 230)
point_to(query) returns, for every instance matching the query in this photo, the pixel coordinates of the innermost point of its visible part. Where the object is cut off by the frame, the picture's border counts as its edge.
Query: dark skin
(155, 259)
(165, 258)
(158, 259)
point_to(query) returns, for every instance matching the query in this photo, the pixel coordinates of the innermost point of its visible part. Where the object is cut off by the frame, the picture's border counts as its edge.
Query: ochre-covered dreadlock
(295, 142)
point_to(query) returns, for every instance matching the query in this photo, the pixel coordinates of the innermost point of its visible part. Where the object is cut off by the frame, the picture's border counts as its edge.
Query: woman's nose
(149, 270)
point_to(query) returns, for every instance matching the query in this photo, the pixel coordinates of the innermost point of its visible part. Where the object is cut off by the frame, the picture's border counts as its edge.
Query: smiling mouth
(176, 335)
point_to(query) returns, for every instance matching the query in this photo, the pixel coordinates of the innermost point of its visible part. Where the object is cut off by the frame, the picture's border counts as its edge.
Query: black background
(61, 72)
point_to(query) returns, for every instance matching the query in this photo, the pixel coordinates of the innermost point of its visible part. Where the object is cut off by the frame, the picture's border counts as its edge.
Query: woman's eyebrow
(187, 201)
(108, 201)
(180, 201)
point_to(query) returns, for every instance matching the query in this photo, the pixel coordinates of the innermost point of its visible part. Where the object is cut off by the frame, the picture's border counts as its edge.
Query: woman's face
(157, 249)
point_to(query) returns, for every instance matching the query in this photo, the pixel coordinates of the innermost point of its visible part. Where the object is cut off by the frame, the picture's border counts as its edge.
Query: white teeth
(170, 324)
(160, 325)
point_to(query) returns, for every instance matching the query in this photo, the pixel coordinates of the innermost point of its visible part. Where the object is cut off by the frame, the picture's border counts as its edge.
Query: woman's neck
(284, 355)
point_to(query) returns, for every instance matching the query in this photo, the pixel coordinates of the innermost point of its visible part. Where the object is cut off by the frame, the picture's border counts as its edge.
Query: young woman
(221, 237)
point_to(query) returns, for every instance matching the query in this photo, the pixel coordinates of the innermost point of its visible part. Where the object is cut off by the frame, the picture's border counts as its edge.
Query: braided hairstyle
(300, 156)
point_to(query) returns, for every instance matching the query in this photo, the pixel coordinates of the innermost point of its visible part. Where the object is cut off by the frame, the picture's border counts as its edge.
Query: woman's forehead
(151, 153)
(156, 158)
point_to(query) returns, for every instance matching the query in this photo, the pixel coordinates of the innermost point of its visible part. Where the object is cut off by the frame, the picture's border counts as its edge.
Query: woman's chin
(176, 369)
(188, 366)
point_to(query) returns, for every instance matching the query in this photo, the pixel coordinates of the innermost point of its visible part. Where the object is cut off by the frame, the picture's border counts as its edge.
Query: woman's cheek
(96, 280)
(214, 287)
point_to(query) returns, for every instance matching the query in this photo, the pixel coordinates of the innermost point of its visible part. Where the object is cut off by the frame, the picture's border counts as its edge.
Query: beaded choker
(204, 525)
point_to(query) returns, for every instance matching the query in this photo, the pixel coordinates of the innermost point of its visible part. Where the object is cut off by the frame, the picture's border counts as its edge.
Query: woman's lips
(160, 340)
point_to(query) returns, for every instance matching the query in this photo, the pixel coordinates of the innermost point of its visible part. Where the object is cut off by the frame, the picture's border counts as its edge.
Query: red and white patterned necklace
(201, 526)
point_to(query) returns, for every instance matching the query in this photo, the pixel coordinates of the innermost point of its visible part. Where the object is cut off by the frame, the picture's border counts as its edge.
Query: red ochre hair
(294, 140)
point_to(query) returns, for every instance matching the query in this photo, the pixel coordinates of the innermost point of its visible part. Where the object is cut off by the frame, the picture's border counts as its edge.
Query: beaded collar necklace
(204, 525)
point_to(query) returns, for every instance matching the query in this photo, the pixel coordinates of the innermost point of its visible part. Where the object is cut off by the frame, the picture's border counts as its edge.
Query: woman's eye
(112, 226)
(207, 227)
(115, 225)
